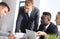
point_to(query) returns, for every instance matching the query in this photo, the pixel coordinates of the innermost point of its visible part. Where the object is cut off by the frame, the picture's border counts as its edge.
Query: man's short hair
(29, 1)
(4, 4)
(47, 13)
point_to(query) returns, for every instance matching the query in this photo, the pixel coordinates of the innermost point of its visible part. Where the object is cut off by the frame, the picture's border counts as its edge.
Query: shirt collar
(29, 12)
(47, 26)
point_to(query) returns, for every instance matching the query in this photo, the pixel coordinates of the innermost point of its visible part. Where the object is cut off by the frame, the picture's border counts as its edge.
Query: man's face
(57, 19)
(28, 7)
(44, 19)
(3, 11)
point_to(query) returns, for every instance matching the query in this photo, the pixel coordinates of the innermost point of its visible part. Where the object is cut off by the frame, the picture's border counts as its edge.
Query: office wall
(0, 0)
(37, 3)
(8, 21)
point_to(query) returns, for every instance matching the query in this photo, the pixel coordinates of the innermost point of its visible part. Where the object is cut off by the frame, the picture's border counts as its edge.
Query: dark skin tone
(45, 19)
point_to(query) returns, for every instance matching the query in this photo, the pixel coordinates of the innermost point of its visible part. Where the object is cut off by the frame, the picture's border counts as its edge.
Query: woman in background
(58, 23)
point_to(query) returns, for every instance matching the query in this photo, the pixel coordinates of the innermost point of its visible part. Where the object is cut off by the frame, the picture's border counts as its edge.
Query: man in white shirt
(4, 9)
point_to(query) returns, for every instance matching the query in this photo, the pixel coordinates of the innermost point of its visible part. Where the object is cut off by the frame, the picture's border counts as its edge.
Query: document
(20, 35)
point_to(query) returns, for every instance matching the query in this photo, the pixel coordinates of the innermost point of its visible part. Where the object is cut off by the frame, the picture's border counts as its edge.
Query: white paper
(19, 35)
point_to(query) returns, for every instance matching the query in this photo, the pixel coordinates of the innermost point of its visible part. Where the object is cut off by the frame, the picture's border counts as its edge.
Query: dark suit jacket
(52, 29)
(24, 23)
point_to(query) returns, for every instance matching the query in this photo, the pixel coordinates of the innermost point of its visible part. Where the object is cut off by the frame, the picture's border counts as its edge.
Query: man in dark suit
(47, 26)
(28, 17)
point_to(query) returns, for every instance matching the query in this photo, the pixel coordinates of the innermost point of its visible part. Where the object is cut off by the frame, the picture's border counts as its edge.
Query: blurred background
(8, 22)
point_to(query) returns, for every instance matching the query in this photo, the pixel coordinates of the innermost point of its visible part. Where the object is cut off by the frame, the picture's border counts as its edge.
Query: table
(3, 37)
(22, 35)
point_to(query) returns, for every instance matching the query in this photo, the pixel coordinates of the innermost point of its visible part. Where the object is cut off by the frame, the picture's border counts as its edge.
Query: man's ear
(48, 19)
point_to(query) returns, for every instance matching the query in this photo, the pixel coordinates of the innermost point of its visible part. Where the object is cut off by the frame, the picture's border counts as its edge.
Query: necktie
(44, 29)
(27, 16)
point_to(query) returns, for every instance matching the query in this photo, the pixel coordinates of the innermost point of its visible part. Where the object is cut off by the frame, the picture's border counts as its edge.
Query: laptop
(31, 34)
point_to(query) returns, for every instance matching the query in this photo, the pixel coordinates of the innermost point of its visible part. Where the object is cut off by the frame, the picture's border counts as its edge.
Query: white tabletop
(3, 37)
(21, 35)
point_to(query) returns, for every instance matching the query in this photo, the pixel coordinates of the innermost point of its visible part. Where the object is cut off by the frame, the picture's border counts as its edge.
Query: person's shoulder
(35, 8)
(52, 24)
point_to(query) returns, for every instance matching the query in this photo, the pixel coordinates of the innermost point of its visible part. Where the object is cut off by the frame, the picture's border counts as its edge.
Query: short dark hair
(5, 4)
(47, 13)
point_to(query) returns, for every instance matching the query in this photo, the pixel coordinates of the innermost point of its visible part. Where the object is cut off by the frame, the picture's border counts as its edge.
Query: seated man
(46, 26)
(4, 8)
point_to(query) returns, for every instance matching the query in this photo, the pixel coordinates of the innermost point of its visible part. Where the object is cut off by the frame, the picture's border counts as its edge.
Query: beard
(44, 24)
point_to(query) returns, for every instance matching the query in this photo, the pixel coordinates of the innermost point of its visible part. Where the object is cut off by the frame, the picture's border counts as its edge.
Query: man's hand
(39, 33)
(11, 36)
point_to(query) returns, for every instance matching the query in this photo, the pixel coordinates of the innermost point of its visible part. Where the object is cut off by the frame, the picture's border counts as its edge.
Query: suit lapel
(25, 16)
(48, 28)
(31, 15)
